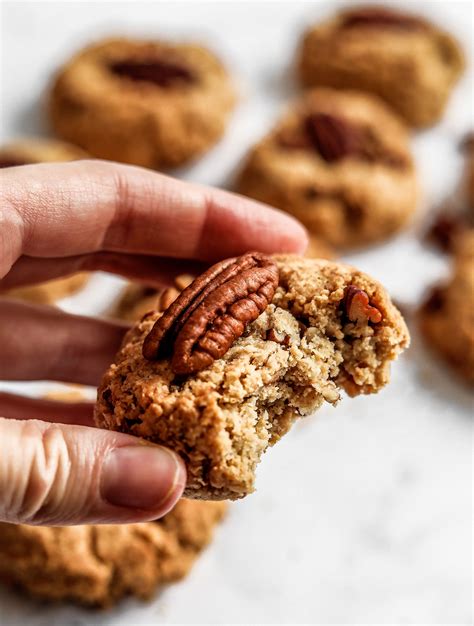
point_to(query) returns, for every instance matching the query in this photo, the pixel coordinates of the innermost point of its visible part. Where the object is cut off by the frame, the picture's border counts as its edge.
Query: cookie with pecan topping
(26, 152)
(409, 62)
(327, 328)
(340, 161)
(148, 103)
(446, 317)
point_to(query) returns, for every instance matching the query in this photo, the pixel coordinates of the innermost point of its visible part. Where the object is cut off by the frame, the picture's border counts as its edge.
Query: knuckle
(42, 484)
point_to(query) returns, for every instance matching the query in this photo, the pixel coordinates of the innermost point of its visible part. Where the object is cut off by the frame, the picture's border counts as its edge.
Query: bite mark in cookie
(301, 351)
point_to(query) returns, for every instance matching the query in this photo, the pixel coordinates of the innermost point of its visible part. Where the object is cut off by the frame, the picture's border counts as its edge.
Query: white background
(363, 513)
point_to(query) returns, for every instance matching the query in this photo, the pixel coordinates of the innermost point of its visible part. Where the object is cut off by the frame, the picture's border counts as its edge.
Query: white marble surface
(363, 515)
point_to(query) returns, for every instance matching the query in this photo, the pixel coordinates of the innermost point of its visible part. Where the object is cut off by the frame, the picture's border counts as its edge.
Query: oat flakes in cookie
(233, 365)
(340, 162)
(409, 62)
(148, 103)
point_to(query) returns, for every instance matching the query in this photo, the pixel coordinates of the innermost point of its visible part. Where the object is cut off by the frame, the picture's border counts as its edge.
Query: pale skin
(55, 219)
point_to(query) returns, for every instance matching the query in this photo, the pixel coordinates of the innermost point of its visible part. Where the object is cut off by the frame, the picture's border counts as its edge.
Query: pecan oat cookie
(26, 152)
(97, 565)
(244, 351)
(147, 103)
(340, 162)
(404, 59)
(446, 317)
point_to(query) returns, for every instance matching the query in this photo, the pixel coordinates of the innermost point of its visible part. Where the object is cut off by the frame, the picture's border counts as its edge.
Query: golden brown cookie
(26, 152)
(136, 300)
(50, 291)
(97, 565)
(340, 162)
(34, 150)
(404, 59)
(446, 317)
(456, 214)
(328, 328)
(148, 103)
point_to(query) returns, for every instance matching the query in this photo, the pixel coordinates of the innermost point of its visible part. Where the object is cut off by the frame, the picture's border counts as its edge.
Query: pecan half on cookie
(212, 312)
(327, 328)
(148, 103)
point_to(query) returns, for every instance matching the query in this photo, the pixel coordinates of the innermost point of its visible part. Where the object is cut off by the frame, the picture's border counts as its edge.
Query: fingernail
(142, 477)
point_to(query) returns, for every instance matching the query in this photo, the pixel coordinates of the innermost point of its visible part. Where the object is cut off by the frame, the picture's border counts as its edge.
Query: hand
(92, 215)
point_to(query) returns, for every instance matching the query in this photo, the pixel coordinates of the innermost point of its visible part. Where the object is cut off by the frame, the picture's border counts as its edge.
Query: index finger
(54, 210)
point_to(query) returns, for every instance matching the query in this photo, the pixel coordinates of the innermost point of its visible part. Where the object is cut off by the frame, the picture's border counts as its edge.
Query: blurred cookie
(447, 316)
(404, 59)
(50, 291)
(97, 565)
(33, 150)
(319, 249)
(340, 162)
(149, 103)
(137, 300)
(456, 215)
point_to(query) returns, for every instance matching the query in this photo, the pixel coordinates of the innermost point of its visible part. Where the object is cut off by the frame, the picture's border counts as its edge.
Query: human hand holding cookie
(58, 219)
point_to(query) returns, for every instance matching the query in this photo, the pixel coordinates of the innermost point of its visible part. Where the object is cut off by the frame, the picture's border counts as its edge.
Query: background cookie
(147, 103)
(456, 215)
(311, 342)
(404, 59)
(97, 565)
(446, 317)
(35, 150)
(340, 162)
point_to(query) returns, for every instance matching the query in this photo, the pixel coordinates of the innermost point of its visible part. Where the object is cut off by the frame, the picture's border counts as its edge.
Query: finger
(21, 407)
(57, 475)
(39, 342)
(67, 209)
(154, 271)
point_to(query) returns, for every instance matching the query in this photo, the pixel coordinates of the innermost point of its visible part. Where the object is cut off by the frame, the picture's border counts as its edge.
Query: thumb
(57, 474)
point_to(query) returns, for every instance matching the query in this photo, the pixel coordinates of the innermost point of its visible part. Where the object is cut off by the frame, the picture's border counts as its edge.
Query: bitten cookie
(99, 564)
(404, 59)
(258, 362)
(26, 152)
(447, 316)
(148, 103)
(339, 161)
